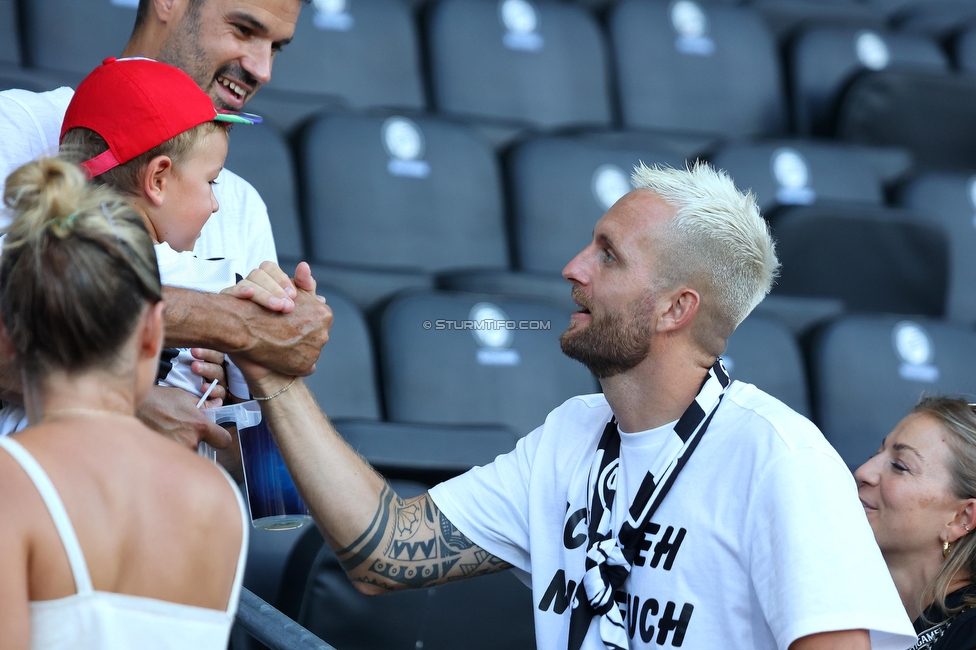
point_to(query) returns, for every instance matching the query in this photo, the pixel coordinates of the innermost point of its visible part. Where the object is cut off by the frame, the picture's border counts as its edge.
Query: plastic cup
(271, 493)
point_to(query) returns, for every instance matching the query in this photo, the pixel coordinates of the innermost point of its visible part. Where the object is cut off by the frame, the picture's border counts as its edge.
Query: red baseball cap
(137, 104)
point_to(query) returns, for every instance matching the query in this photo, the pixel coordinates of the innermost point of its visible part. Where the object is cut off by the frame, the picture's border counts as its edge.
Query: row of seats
(546, 64)
(860, 375)
(392, 203)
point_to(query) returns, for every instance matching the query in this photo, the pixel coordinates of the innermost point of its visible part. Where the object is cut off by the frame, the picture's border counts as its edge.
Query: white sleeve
(30, 127)
(490, 504)
(813, 560)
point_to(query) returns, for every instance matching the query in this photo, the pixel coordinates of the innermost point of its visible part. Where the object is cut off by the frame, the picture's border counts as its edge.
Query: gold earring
(945, 549)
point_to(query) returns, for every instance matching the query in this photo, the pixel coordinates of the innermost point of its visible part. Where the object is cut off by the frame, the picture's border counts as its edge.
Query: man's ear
(677, 309)
(155, 179)
(168, 11)
(151, 331)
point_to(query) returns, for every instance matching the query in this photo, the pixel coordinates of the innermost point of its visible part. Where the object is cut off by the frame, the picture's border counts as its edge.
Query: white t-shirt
(761, 540)
(30, 126)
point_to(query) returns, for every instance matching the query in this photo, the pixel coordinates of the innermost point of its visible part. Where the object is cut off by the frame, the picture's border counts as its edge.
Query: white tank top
(99, 620)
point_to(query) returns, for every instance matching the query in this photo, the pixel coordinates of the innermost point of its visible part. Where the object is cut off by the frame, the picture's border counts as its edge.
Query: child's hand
(267, 286)
(209, 364)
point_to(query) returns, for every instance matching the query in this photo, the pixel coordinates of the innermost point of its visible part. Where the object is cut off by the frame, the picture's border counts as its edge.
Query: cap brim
(237, 118)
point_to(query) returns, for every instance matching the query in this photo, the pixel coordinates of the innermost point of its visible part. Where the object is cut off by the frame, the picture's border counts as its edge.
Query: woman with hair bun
(112, 536)
(919, 495)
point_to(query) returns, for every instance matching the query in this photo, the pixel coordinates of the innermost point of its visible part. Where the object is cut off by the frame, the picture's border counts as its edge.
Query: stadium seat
(261, 156)
(452, 359)
(951, 200)
(786, 17)
(344, 382)
(825, 60)
(560, 187)
(762, 351)
(9, 35)
(400, 198)
(869, 371)
(965, 50)
(538, 62)
(873, 259)
(365, 52)
(928, 114)
(398, 192)
(786, 173)
(371, 288)
(74, 36)
(939, 20)
(685, 66)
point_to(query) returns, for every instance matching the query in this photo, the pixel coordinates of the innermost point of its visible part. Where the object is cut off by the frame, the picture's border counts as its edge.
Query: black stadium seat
(762, 351)
(786, 17)
(392, 200)
(825, 60)
(260, 155)
(966, 51)
(869, 371)
(73, 36)
(929, 114)
(438, 368)
(951, 200)
(365, 52)
(801, 173)
(9, 36)
(872, 258)
(538, 62)
(399, 192)
(704, 68)
(344, 382)
(560, 187)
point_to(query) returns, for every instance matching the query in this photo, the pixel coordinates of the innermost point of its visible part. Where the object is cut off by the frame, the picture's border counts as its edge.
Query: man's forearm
(384, 542)
(204, 320)
(289, 343)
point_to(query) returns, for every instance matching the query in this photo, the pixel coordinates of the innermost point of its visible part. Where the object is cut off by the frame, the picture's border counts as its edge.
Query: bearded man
(678, 508)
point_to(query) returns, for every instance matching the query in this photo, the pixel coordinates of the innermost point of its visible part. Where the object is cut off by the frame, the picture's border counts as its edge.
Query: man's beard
(612, 344)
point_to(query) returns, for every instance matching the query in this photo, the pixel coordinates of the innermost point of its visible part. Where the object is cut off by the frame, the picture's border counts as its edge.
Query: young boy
(149, 132)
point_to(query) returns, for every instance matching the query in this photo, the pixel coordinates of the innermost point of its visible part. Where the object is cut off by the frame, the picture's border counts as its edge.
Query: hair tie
(67, 220)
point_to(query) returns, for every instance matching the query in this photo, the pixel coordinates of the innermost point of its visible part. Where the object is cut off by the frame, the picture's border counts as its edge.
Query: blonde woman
(112, 536)
(919, 495)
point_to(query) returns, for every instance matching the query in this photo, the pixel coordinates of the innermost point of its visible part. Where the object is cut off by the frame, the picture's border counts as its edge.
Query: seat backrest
(874, 259)
(537, 61)
(951, 200)
(800, 173)
(966, 50)
(364, 51)
(762, 351)
(75, 36)
(260, 155)
(685, 66)
(825, 60)
(9, 33)
(401, 193)
(928, 114)
(869, 371)
(560, 188)
(473, 359)
(344, 382)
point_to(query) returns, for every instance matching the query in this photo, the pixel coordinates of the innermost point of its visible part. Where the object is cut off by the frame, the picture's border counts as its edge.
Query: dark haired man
(228, 48)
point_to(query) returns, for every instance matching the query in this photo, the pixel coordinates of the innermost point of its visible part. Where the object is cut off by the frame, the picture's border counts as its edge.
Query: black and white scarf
(610, 557)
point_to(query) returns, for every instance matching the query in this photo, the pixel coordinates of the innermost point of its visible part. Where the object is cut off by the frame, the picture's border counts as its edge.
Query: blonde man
(675, 509)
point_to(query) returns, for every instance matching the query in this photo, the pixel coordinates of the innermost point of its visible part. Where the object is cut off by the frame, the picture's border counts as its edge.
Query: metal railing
(272, 628)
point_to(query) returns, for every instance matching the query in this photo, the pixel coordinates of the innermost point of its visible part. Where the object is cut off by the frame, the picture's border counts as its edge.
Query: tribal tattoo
(411, 544)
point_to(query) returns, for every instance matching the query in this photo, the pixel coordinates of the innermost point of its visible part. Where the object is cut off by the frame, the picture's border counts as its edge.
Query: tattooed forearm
(411, 544)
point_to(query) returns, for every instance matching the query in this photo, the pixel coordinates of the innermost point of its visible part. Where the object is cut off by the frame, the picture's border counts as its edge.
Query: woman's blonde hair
(958, 418)
(77, 269)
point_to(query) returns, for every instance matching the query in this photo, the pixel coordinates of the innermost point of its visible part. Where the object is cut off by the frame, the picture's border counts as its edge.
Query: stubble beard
(613, 343)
